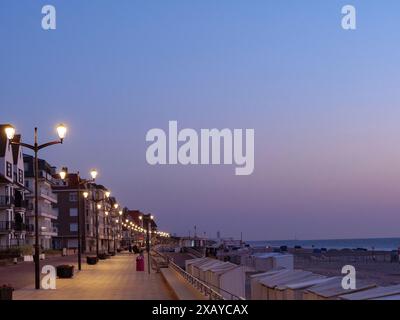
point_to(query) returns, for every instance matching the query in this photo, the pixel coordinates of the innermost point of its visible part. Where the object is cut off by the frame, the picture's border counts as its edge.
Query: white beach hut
(213, 274)
(269, 284)
(294, 290)
(189, 263)
(194, 267)
(264, 261)
(233, 281)
(332, 289)
(203, 268)
(270, 260)
(382, 293)
(284, 261)
(256, 286)
(394, 297)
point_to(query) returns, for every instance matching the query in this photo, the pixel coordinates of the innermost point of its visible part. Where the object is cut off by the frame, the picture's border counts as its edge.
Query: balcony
(43, 231)
(22, 227)
(6, 201)
(21, 204)
(6, 226)
(47, 194)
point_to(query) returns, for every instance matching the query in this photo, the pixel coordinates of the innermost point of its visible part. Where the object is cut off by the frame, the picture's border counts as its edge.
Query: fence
(205, 288)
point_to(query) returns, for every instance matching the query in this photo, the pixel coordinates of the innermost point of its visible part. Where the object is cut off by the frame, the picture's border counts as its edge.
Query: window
(55, 212)
(73, 196)
(20, 176)
(9, 170)
(73, 212)
(73, 227)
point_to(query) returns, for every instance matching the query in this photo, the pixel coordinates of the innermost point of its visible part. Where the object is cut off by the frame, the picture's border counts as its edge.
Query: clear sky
(324, 103)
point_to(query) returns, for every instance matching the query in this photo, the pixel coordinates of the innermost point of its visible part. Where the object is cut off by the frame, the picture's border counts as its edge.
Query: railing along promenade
(205, 288)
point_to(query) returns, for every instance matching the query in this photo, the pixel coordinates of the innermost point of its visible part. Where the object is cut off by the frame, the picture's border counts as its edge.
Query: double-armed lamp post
(80, 182)
(36, 147)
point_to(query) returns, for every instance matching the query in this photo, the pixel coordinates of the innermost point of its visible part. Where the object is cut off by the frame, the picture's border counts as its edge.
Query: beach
(380, 272)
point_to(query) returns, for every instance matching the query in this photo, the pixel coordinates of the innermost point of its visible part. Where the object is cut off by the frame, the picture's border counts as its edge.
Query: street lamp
(98, 201)
(81, 182)
(36, 147)
(147, 218)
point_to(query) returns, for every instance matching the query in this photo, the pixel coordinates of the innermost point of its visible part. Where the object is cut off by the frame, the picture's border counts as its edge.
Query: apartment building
(96, 209)
(46, 200)
(13, 224)
(130, 236)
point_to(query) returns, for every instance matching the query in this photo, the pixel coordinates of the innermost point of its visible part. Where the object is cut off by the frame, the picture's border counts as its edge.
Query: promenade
(111, 279)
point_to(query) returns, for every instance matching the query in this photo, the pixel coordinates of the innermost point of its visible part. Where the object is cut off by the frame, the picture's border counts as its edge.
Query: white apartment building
(46, 200)
(13, 224)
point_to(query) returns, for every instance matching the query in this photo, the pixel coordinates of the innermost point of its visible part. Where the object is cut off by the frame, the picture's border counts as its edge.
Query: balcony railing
(21, 204)
(7, 225)
(6, 201)
(48, 194)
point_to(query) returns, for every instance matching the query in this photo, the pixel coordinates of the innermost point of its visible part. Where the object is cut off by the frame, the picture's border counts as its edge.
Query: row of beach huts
(271, 276)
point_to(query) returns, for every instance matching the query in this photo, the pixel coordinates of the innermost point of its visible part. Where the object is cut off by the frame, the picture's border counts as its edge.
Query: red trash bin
(140, 263)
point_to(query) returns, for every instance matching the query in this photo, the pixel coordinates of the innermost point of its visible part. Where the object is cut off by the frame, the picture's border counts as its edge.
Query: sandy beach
(375, 267)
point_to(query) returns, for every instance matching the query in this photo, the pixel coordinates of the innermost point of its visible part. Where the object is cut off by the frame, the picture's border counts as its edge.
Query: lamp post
(36, 147)
(147, 218)
(80, 183)
(114, 227)
(98, 207)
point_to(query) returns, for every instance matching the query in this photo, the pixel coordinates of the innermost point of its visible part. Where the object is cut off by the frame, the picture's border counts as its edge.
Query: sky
(323, 102)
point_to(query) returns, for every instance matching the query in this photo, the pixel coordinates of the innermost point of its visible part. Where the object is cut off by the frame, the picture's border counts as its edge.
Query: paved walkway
(111, 279)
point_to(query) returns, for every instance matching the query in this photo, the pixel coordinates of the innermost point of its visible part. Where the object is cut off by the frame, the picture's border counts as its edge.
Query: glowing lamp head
(151, 217)
(140, 217)
(63, 174)
(99, 206)
(85, 194)
(10, 132)
(106, 213)
(61, 131)
(93, 173)
(107, 193)
(120, 212)
(115, 205)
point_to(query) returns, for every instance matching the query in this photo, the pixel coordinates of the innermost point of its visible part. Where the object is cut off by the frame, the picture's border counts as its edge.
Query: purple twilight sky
(324, 103)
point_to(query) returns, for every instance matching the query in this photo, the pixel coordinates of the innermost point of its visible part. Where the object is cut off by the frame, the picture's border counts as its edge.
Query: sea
(384, 244)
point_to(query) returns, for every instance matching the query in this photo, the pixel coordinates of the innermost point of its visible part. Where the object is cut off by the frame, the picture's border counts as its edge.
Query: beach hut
(263, 262)
(188, 263)
(332, 289)
(270, 283)
(233, 281)
(375, 293)
(207, 266)
(195, 267)
(394, 297)
(212, 275)
(283, 260)
(271, 260)
(294, 290)
(256, 286)
(192, 264)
